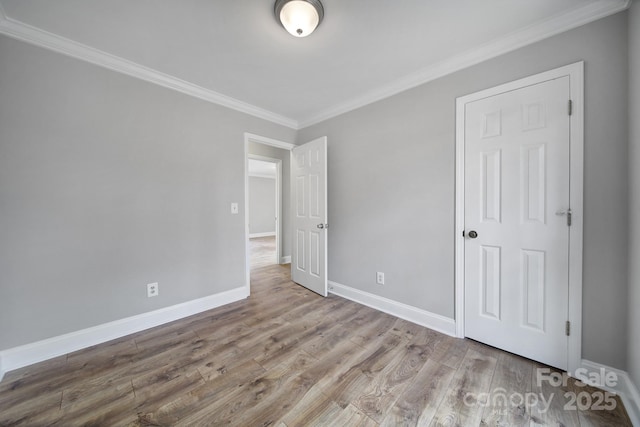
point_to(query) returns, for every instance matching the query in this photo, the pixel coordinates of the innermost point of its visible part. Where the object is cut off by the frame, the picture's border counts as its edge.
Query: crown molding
(36, 36)
(536, 32)
(518, 39)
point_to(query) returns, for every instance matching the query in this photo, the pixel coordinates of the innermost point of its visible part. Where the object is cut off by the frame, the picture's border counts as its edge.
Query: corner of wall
(624, 386)
(632, 402)
(633, 337)
(1, 369)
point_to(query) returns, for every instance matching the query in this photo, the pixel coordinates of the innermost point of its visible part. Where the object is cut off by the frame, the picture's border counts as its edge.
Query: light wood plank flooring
(286, 357)
(262, 251)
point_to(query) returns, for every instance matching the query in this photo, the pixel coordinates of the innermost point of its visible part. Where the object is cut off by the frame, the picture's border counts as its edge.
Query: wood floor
(287, 357)
(263, 251)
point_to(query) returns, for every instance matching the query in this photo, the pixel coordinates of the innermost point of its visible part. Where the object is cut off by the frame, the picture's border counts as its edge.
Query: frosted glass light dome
(299, 17)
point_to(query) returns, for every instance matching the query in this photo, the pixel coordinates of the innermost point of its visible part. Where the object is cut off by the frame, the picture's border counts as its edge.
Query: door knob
(568, 213)
(320, 226)
(473, 234)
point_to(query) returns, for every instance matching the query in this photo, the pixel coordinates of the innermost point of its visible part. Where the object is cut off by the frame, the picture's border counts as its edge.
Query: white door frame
(278, 196)
(576, 77)
(249, 137)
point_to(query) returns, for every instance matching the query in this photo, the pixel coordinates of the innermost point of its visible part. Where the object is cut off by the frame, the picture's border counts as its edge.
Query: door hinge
(570, 108)
(567, 328)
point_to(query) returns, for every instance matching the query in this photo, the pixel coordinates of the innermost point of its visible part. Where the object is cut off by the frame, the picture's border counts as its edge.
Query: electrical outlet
(380, 278)
(152, 290)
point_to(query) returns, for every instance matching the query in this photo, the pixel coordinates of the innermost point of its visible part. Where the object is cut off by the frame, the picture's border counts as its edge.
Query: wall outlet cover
(152, 290)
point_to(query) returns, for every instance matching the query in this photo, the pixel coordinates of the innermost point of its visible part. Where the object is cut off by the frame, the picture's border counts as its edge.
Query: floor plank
(511, 382)
(386, 387)
(552, 408)
(263, 251)
(463, 402)
(417, 405)
(315, 408)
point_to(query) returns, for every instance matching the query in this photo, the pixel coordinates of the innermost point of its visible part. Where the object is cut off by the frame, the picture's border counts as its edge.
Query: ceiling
(233, 52)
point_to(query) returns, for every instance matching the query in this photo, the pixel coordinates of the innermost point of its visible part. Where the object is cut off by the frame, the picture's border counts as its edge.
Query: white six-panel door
(309, 197)
(516, 246)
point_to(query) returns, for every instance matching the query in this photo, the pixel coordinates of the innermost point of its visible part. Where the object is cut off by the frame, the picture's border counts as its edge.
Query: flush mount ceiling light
(299, 17)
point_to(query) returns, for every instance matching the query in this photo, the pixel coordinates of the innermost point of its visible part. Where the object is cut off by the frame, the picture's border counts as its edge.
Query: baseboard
(624, 387)
(412, 314)
(267, 234)
(285, 259)
(39, 351)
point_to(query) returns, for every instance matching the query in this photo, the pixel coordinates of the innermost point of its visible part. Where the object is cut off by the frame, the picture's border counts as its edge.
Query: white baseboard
(39, 351)
(285, 259)
(624, 387)
(267, 234)
(412, 314)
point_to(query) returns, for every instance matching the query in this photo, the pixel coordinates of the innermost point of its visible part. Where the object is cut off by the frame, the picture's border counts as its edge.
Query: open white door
(309, 199)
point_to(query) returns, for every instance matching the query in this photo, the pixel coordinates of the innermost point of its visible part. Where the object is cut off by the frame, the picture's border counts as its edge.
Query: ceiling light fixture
(299, 17)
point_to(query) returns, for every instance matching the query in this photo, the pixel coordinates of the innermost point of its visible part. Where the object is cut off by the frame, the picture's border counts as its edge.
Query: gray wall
(391, 183)
(634, 193)
(285, 156)
(108, 183)
(262, 205)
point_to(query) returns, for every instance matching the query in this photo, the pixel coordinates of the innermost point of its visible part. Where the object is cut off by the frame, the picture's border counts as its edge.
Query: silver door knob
(473, 234)
(320, 226)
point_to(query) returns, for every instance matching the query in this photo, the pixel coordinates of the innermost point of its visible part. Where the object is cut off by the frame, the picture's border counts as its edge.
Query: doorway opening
(267, 236)
(265, 178)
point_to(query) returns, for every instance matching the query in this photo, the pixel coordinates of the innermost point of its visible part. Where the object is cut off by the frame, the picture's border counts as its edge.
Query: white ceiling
(234, 51)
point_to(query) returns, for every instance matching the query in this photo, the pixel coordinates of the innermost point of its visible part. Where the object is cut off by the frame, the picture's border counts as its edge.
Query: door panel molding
(575, 72)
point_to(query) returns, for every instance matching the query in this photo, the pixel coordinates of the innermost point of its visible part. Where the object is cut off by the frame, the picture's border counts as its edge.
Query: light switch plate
(234, 208)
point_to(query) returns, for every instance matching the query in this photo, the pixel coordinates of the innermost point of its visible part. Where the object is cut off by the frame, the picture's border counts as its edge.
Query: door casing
(576, 147)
